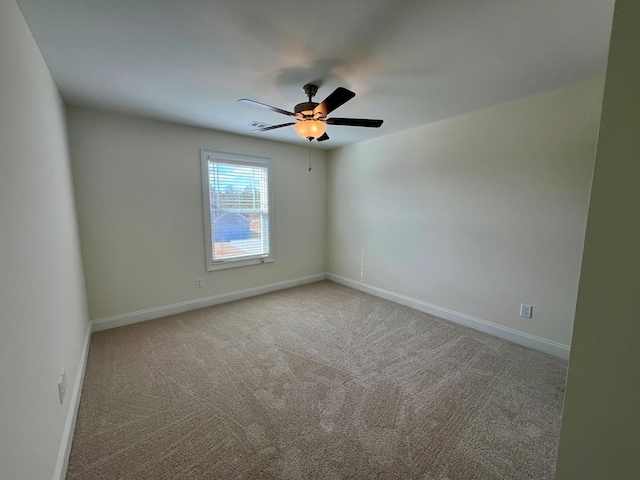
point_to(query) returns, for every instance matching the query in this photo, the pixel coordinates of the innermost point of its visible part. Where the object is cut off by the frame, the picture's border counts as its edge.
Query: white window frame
(211, 155)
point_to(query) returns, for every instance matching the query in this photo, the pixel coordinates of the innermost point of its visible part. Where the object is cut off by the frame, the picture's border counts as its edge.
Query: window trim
(212, 155)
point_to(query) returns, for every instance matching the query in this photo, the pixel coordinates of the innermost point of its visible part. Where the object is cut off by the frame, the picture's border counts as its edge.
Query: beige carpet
(321, 382)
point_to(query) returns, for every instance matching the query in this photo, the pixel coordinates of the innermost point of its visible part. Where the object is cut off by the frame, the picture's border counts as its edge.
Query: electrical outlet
(198, 282)
(526, 311)
(62, 385)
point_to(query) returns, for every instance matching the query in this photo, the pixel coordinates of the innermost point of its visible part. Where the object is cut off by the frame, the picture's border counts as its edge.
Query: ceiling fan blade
(323, 137)
(354, 122)
(340, 96)
(273, 127)
(266, 107)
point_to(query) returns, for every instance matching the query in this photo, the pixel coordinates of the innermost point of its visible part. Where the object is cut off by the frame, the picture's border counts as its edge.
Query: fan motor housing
(304, 107)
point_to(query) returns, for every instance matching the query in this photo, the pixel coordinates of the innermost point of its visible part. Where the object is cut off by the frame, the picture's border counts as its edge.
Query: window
(237, 204)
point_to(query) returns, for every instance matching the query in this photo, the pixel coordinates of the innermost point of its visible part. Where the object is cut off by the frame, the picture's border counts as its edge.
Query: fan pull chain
(309, 155)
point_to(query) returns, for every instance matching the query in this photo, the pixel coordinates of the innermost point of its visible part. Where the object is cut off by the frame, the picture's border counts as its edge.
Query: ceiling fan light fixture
(310, 129)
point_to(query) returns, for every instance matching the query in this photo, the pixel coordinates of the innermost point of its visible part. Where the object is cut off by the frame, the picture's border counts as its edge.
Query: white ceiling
(409, 62)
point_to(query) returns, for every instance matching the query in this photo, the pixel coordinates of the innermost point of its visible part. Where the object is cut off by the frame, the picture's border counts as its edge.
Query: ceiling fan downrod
(310, 90)
(306, 108)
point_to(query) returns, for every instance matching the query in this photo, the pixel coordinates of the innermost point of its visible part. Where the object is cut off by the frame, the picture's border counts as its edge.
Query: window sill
(239, 263)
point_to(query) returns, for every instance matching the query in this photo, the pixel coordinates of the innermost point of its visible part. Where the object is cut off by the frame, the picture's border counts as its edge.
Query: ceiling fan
(311, 117)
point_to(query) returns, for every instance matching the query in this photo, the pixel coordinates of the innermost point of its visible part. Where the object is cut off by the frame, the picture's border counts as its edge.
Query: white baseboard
(70, 425)
(521, 338)
(165, 310)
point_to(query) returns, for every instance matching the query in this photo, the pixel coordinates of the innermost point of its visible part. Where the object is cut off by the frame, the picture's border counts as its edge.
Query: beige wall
(43, 316)
(600, 436)
(475, 214)
(139, 195)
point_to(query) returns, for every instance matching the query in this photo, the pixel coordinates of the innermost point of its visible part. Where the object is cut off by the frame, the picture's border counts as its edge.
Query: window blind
(239, 202)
